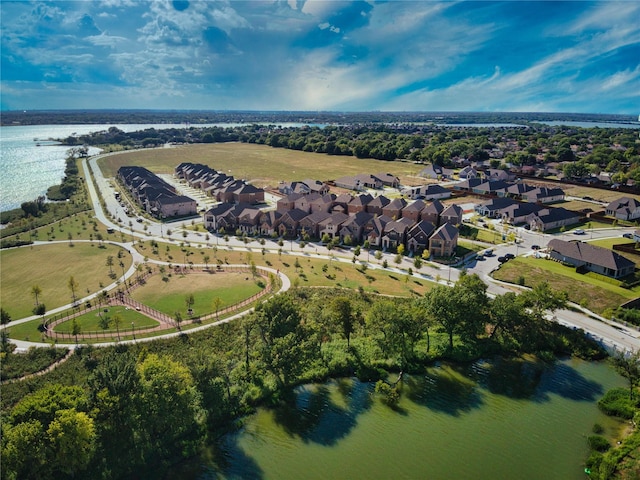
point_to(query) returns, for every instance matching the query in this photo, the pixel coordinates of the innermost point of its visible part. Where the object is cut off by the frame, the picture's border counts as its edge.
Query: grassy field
(309, 273)
(90, 322)
(593, 293)
(263, 165)
(50, 267)
(169, 296)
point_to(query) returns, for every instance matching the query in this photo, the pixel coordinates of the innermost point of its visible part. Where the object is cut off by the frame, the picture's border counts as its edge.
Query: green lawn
(50, 267)
(90, 322)
(169, 296)
(593, 292)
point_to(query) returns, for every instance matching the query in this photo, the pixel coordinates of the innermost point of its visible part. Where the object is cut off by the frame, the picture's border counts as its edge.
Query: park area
(50, 268)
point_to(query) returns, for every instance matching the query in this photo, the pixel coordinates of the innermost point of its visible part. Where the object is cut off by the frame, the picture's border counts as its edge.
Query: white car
(578, 231)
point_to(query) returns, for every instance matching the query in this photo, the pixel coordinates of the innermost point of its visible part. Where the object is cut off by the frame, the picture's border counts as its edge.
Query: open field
(263, 165)
(169, 296)
(309, 273)
(595, 294)
(90, 322)
(50, 267)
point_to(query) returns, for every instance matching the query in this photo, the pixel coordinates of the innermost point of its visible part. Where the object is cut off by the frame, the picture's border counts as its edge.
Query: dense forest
(130, 410)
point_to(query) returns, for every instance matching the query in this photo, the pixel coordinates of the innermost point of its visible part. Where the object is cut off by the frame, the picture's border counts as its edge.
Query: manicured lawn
(595, 294)
(169, 296)
(50, 267)
(310, 274)
(261, 164)
(90, 322)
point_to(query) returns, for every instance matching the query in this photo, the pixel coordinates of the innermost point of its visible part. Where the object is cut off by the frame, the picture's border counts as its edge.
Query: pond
(487, 420)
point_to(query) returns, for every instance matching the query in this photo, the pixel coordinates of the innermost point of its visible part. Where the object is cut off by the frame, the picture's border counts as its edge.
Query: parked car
(578, 231)
(488, 253)
(509, 256)
(535, 247)
(627, 235)
(503, 259)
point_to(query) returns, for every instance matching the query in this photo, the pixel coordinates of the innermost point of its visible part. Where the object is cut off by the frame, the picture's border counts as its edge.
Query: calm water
(634, 125)
(499, 420)
(28, 170)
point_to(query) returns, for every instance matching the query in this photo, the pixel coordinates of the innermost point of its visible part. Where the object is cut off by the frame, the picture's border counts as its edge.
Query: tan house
(444, 241)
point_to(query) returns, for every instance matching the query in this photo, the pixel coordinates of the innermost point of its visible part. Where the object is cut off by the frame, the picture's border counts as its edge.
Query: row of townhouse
(219, 185)
(366, 181)
(417, 226)
(503, 188)
(154, 195)
(537, 217)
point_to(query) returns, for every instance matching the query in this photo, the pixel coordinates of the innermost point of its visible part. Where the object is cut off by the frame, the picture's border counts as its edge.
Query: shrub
(616, 402)
(598, 443)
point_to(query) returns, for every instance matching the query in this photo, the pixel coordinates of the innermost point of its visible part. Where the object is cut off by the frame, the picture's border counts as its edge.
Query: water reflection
(314, 415)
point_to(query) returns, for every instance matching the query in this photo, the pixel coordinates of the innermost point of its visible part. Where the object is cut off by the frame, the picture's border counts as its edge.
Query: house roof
(624, 203)
(446, 232)
(452, 210)
(416, 206)
(590, 254)
(434, 207)
(550, 215)
(380, 201)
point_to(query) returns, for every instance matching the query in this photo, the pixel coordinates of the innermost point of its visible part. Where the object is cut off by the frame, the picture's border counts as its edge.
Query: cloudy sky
(574, 56)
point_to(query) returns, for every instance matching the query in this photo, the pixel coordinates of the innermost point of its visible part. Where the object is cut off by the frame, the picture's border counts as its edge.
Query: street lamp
(133, 330)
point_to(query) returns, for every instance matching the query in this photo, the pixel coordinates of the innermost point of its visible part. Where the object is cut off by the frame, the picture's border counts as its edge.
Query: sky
(550, 56)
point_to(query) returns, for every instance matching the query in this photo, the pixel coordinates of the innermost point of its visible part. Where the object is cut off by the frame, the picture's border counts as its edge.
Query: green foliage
(598, 443)
(389, 394)
(616, 402)
(36, 359)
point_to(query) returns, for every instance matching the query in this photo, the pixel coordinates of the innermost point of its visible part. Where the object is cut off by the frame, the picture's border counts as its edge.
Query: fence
(122, 297)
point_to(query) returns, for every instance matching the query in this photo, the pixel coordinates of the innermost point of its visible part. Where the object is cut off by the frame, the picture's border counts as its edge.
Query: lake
(30, 163)
(488, 420)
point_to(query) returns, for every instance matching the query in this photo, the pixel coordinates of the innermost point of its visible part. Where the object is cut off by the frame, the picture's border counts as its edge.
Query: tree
(542, 298)
(627, 364)
(398, 330)
(110, 265)
(189, 301)
(342, 314)
(73, 286)
(116, 318)
(72, 436)
(378, 255)
(75, 329)
(417, 262)
(216, 303)
(178, 319)
(4, 316)
(36, 291)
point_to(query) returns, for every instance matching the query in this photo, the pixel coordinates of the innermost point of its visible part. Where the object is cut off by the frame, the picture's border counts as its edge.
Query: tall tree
(36, 291)
(73, 286)
(342, 314)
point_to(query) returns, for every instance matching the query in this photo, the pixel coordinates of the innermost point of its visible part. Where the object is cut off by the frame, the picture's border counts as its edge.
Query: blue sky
(550, 56)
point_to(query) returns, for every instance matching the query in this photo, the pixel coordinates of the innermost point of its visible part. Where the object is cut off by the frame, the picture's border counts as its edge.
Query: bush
(598, 443)
(616, 402)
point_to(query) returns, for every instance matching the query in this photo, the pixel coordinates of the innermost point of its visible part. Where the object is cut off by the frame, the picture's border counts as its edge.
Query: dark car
(509, 256)
(535, 247)
(627, 235)
(503, 259)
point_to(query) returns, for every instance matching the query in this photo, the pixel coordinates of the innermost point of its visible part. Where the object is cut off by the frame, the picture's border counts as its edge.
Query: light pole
(133, 330)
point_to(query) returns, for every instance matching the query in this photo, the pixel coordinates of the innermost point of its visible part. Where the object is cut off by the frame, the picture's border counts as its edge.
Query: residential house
(436, 172)
(444, 241)
(516, 190)
(498, 174)
(332, 224)
(290, 222)
(468, 185)
(167, 206)
(492, 187)
(322, 203)
(310, 225)
(418, 236)
(269, 221)
(316, 186)
(413, 210)
(356, 227)
(395, 233)
(359, 182)
(214, 218)
(550, 218)
(394, 208)
(287, 188)
(377, 205)
(359, 203)
(431, 213)
(451, 214)
(495, 207)
(467, 173)
(544, 195)
(388, 180)
(249, 220)
(592, 258)
(518, 212)
(376, 231)
(624, 208)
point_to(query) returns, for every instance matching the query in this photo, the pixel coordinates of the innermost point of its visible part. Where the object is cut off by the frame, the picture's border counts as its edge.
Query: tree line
(130, 411)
